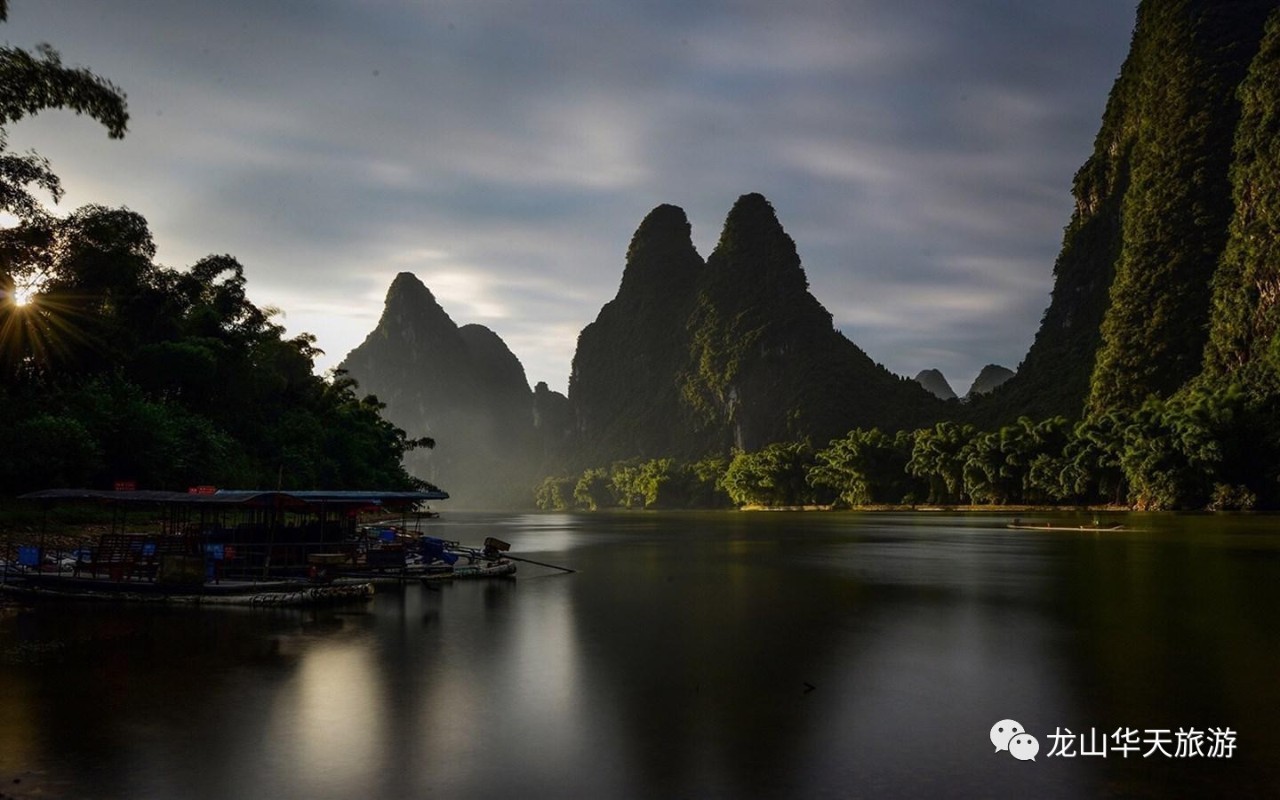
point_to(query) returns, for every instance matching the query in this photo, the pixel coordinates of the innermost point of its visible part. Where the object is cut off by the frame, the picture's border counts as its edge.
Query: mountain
(1168, 281)
(691, 359)
(623, 386)
(1244, 334)
(991, 376)
(1130, 309)
(936, 384)
(460, 385)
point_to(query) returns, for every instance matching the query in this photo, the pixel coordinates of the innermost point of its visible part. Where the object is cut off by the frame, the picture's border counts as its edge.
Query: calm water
(678, 662)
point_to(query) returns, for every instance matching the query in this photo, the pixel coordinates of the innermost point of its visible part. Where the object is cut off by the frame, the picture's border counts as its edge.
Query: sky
(919, 153)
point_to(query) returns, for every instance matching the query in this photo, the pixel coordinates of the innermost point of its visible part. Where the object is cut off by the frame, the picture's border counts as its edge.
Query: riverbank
(958, 509)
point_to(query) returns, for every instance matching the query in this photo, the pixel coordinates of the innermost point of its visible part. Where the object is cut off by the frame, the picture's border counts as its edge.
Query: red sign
(202, 490)
(126, 486)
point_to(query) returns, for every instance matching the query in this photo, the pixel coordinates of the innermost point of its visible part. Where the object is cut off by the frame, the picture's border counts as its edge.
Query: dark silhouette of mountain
(624, 385)
(691, 359)
(461, 386)
(991, 376)
(936, 384)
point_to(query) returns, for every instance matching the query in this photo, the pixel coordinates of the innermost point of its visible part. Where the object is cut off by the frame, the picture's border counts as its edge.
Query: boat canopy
(243, 497)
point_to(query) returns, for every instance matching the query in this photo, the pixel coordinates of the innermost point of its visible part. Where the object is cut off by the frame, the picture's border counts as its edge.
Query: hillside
(1130, 305)
(623, 388)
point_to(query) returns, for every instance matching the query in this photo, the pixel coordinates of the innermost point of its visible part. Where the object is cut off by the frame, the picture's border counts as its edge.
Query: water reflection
(691, 655)
(326, 720)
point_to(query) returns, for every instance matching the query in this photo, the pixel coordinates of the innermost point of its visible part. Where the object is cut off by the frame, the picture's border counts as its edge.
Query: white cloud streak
(919, 153)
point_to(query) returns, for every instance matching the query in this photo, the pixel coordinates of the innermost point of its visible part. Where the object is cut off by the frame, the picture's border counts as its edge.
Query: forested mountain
(1131, 301)
(460, 385)
(692, 359)
(1244, 337)
(624, 388)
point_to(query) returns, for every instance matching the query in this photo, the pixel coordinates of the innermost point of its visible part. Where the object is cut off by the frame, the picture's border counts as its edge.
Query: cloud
(920, 154)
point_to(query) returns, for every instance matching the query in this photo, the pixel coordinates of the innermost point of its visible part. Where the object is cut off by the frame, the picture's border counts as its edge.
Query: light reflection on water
(679, 661)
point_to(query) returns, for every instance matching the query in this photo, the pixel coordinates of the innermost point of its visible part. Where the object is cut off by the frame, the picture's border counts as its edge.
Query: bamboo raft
(274, 594)
(489, 569)
(1092, 528)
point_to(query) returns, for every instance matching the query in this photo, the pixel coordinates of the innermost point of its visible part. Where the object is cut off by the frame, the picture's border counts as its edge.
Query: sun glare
(25, 290)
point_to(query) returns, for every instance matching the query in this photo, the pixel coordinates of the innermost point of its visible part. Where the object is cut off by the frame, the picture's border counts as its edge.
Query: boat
(500, 568)
(487, 562)
(1018, 525)
(214, 547)
(266, 594)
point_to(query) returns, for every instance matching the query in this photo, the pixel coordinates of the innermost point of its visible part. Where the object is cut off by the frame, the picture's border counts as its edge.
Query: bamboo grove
(1202, 449)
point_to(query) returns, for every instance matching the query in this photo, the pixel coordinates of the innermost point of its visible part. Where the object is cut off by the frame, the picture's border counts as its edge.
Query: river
(691, 655)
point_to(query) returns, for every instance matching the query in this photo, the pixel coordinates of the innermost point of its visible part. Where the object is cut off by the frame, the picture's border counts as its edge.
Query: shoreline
(945, 509)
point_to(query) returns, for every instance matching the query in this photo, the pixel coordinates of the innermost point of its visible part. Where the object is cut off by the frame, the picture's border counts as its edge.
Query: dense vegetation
(1244, 341)
(1211, 449)
(1131, 298)
(1193, 56)
(113, 367)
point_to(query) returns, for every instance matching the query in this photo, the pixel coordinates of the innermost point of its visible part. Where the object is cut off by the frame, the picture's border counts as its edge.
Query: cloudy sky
(920, 153)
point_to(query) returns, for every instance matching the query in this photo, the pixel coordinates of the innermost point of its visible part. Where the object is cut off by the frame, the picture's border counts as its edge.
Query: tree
(30, 84)
(592, 491)
(776, 475)
(555, 494)
(938, 458)
(866, 466)
(1092, 469)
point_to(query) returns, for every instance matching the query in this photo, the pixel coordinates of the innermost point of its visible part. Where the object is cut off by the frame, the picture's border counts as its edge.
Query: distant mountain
(460, 385)
(691, 359)
(991, 376)
(936, 384)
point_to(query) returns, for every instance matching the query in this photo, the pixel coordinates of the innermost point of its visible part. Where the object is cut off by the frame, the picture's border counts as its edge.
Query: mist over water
(742, 655)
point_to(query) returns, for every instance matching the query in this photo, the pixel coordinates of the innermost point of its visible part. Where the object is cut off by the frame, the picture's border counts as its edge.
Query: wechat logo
(1009, 735)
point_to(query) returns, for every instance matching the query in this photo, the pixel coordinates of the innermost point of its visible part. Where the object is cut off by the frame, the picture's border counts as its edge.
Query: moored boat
(213, 547)
(1018, 525)
(500, 568)
(488, 562)
(273, 593)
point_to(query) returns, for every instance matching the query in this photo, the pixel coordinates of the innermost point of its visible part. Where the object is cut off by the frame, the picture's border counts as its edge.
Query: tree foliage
(31, 83)
(171, 378)
(1245, 334)
(1176, 211)
(114, 367)
(1206, 447)
(867, 467)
